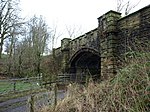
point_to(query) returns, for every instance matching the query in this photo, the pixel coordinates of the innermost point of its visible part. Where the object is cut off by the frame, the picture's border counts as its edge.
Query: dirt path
(22, 104)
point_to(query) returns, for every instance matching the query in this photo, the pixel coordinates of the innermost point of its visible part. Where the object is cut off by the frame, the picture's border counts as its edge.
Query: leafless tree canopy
(125, 6)
(74, 31)
(9, 20)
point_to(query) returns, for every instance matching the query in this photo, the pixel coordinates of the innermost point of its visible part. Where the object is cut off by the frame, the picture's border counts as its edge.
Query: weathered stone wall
(112, 39)
(133, 29)
(120, 35)
(70, 47)
(108, 43)
(88, 40)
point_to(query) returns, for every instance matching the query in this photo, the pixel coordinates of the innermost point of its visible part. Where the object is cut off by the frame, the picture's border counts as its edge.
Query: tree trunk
(38, 64)
(1, 48)
(10, 56)
(19, 67)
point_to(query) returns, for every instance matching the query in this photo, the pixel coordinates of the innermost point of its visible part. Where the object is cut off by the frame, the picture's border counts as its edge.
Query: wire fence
(32, 101)
(33, 83)
(21, 84)
(64, 79)
(77, 78)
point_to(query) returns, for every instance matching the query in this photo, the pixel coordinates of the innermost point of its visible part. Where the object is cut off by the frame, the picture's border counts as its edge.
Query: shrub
(128, 91)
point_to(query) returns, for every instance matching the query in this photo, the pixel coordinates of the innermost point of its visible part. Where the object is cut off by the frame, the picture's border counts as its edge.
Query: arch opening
(85, 64)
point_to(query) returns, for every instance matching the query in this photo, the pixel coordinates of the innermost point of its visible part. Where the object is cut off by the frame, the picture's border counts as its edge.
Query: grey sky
(82, 13)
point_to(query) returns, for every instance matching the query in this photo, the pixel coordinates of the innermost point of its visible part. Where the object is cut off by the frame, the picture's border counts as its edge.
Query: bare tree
(23, 57)
(25, 54)
(126, 6)
(39, 34)
(9, 20)
(54, 35)
(74, 31)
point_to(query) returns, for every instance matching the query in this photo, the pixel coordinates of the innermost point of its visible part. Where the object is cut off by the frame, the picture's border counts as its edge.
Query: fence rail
(22, 84)
(79, 78)
(67, 78)
(15, 85)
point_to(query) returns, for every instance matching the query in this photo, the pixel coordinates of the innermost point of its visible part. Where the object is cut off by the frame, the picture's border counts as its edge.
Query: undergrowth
(128, 91)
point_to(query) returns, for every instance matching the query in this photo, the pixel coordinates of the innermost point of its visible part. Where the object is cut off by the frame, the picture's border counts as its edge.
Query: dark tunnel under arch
(85, 63)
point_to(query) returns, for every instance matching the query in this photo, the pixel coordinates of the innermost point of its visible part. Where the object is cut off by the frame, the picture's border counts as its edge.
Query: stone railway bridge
(98, 53)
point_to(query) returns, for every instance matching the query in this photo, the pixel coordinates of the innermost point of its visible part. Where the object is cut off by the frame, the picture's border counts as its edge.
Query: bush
(128, 91)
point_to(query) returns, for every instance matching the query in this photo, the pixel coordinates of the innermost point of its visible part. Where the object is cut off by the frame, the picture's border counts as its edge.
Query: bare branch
(9, 19)
(126, 7)
(74, 31)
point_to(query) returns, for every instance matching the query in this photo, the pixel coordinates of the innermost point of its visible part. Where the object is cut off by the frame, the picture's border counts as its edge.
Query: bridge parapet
(70, 47)
(88, 40)
(111, 40)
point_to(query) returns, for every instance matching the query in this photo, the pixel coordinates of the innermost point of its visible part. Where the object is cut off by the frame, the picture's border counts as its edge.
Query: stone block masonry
(114, 36)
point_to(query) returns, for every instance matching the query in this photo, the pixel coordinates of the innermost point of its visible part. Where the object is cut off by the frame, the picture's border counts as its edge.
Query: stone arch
(85, 62)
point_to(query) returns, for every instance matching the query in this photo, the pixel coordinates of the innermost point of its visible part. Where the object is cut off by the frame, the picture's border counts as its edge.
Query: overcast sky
(82, 13)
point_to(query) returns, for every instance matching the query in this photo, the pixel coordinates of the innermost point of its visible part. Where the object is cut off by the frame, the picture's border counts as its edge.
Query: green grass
(7, 86)
(4, 55)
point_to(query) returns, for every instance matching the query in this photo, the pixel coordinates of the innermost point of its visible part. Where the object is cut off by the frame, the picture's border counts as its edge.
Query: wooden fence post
(14, 86)
(55, 94)
(32, 103)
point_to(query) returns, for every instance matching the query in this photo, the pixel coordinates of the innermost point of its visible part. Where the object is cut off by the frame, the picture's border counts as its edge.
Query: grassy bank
(20, 86)
(128, 91)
